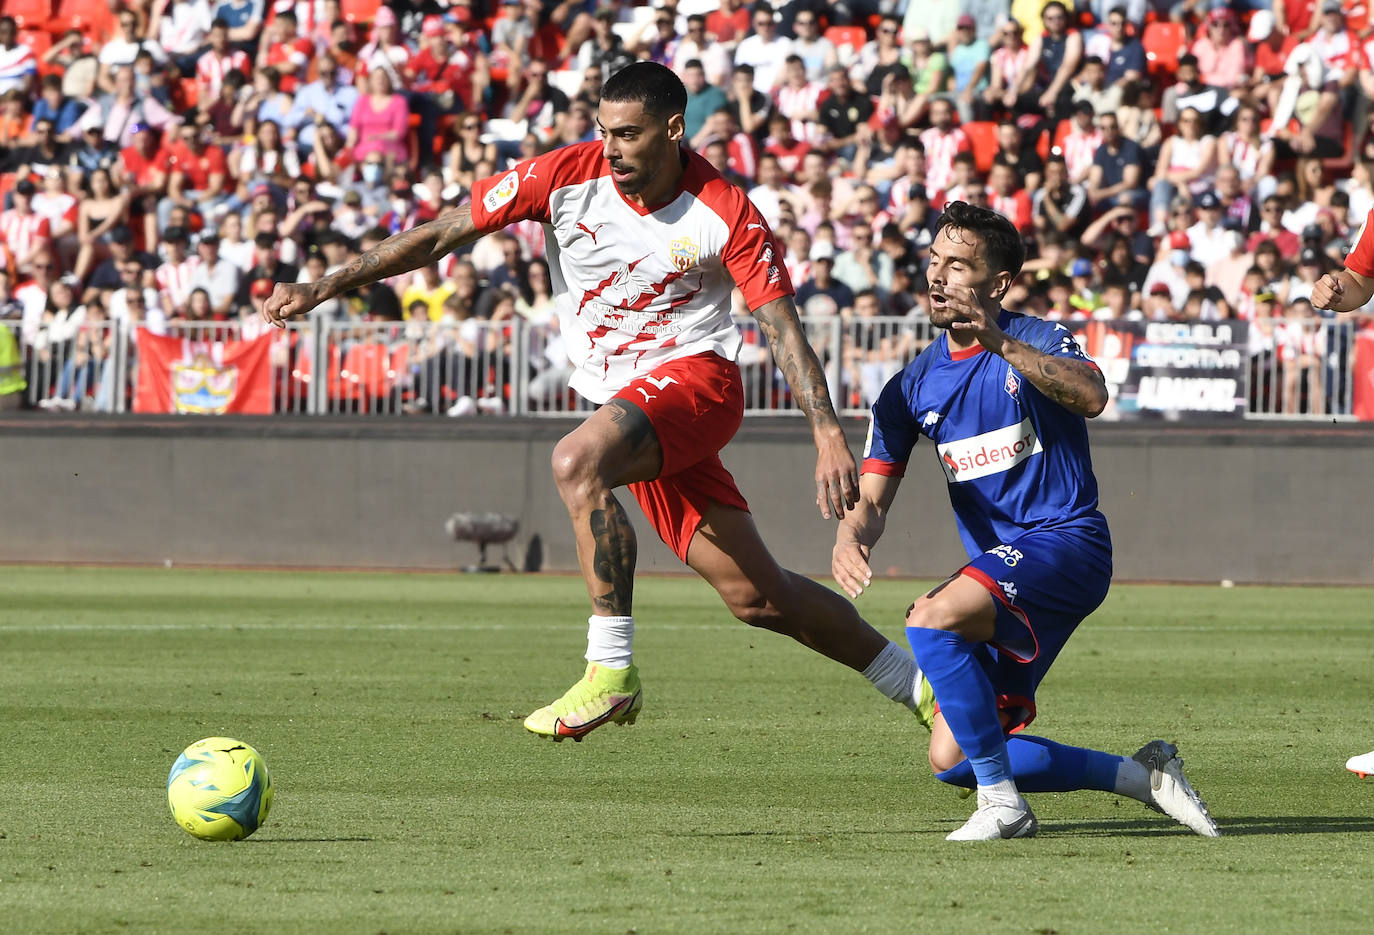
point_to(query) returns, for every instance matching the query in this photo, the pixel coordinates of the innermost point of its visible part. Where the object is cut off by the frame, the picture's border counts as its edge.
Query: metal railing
(1297, 369)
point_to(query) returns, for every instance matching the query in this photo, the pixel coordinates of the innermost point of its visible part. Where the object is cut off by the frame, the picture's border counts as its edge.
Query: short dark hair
(1187, 58)
(655, 86)
(1001, 243)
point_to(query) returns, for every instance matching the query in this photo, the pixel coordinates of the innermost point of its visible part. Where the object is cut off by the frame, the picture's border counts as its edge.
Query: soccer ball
(219, 789)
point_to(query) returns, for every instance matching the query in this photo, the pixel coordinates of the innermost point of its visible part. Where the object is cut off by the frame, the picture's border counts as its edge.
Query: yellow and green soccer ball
(219, 789)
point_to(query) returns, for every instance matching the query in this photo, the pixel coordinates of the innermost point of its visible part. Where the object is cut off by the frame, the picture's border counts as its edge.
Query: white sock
(609, 639)
(1133, 780)
(1001, 793)
(894, 673)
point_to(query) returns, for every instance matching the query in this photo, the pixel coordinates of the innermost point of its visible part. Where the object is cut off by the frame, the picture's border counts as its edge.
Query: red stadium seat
(1164, 42)
(1061, 130)
(359, 11)
(852, 36)
(983, 135)
(94, 20)
(29, 14)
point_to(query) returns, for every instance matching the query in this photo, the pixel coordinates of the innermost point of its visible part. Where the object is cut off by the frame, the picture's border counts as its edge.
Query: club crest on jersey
(503, 192)
(1013, 384)
(684, 253)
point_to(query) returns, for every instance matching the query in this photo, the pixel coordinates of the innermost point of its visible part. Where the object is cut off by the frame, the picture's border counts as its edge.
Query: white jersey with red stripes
(174, 280)
(22, 232)
(941, 148)
(637, 287)
(55, 206)
(212, 67)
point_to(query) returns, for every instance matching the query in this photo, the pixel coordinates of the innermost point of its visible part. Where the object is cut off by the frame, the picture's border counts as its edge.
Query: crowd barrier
(1274, 369)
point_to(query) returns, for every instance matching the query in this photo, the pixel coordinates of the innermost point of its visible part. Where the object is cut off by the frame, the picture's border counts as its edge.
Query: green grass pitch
(763, 790)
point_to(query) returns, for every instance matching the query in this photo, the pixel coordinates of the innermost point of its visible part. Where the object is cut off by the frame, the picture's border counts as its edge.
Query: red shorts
(695, 405)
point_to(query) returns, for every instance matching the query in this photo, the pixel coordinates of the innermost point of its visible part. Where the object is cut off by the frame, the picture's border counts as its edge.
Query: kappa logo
(590, 231)
(504, 192)
(930, 419)
(684, 252)
(1009, 589)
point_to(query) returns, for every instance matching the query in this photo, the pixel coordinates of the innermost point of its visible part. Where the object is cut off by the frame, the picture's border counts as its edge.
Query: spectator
(822, 295)
(1080, 144)
(882, 53)
(1227, 273)
(1012, 151)
(764, 50)
(1138, 121)
(697, 47)
(1272, 47)
(1090, 87)
(1009, 199)
(1338, 47)
(1168, 269)
(37, 157)
(61, 111)
(968, 66)
(749, 106)
(773, 190)
(243, 19)
(1187, 162)
(817, 53)
(782, 145)
(327, 99)
(101, 209)
(266, 265)
(1121, 53)
(937, 20)
(1011, 75)
(605, 49)
(1238, 211)
(27, 233)
(215, 64)
(728, 24)
(1271, 229)
(285, 52)
(173, 277)
(18, 66)
(1208, 240)
(198, 174)
(942, 141)
(1247, 150)
(964, 184)
(1191, 92)
(1060, 205)
(119, 52)
(1057, 53)
(542, 107)
(740, 151)
(430, 289)
(799, 98)
(53, 202)
(1312, 98)
(215, 276)
(1222, 55)
(122, 112)
(843, 112)
(135, 303)
(380, 122)
(182, 28)
(1115, 175)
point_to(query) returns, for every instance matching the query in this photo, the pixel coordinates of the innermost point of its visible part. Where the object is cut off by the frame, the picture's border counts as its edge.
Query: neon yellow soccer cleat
(602, 696)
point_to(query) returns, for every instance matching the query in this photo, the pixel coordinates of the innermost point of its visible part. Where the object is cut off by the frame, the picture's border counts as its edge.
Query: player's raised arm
(860, 530)
(399, 253)
(837, 477)
(1073, 383)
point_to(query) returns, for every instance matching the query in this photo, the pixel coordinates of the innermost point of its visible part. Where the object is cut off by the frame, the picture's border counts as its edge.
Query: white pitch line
(501, 627)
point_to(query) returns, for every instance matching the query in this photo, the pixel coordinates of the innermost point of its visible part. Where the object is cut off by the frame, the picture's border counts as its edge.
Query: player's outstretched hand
(288, 300)
(849, 565)
(837, 478)
(1327, 291)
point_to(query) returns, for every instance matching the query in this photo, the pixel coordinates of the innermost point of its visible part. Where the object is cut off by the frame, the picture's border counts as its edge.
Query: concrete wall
(1252, 503)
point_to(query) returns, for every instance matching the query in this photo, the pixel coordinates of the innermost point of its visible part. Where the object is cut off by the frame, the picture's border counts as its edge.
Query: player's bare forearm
(403, 252)
(865, 523)
(797, 361)
(1076, 385)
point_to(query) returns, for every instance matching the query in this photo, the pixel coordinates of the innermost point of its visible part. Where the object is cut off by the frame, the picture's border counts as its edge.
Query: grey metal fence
(1298, 369)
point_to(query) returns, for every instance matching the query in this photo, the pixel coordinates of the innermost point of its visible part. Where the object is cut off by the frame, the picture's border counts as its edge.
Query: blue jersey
(1014, 459)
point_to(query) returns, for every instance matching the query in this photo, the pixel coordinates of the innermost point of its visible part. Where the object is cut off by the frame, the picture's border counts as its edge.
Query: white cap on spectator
(822, 250)
(1261, 26)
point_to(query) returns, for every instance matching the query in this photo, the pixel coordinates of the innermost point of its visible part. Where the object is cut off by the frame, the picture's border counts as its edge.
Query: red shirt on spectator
(1298, 14)
(428, 75)
(198, 169)
(298, 52)
(1015, 207)
(141, 168)
(727, 27)
(789, 153)
(1270, 62)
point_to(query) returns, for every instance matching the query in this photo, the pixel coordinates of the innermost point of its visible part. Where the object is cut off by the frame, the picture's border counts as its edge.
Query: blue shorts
(1043, 584)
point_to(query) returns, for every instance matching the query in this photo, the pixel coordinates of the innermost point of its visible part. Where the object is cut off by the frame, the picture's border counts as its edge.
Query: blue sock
(1041, 765)
(966, 700)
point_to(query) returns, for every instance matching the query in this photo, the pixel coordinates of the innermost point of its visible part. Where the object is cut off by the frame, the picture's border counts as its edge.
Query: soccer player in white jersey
(645, 242)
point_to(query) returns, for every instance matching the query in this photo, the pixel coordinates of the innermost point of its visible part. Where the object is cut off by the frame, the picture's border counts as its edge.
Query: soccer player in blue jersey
(1005, 398)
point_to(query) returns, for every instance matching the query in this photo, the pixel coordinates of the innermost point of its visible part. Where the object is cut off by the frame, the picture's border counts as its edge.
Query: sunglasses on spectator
(43, 266)
(888, 31)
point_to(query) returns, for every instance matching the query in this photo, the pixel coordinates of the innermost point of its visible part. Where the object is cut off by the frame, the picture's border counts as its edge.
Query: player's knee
(575, 466)
(751, 606)
(943, 759)
(931, 615)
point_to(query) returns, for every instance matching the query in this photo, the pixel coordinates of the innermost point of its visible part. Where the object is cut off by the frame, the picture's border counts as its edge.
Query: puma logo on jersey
(529, 174)
(749, 227)
(590, 231)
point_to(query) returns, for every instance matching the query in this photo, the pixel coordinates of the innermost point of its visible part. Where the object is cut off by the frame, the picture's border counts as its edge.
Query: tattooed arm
(1076, 385)
(399, 253)
(837, 477)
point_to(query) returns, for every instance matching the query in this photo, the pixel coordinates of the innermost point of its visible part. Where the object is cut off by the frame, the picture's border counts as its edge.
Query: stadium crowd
(165, 161)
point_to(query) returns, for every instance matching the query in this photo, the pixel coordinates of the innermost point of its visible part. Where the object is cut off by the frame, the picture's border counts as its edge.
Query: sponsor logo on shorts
(990, 453)
(1009, 555)
(504, 191)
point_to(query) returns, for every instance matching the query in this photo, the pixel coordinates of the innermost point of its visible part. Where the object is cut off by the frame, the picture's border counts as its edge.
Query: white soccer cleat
(1362, 765)
(997, 822)
(1170, 791)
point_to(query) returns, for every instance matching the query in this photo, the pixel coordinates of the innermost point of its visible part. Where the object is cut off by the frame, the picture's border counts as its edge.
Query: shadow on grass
(303, 840)
(1231, 826)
